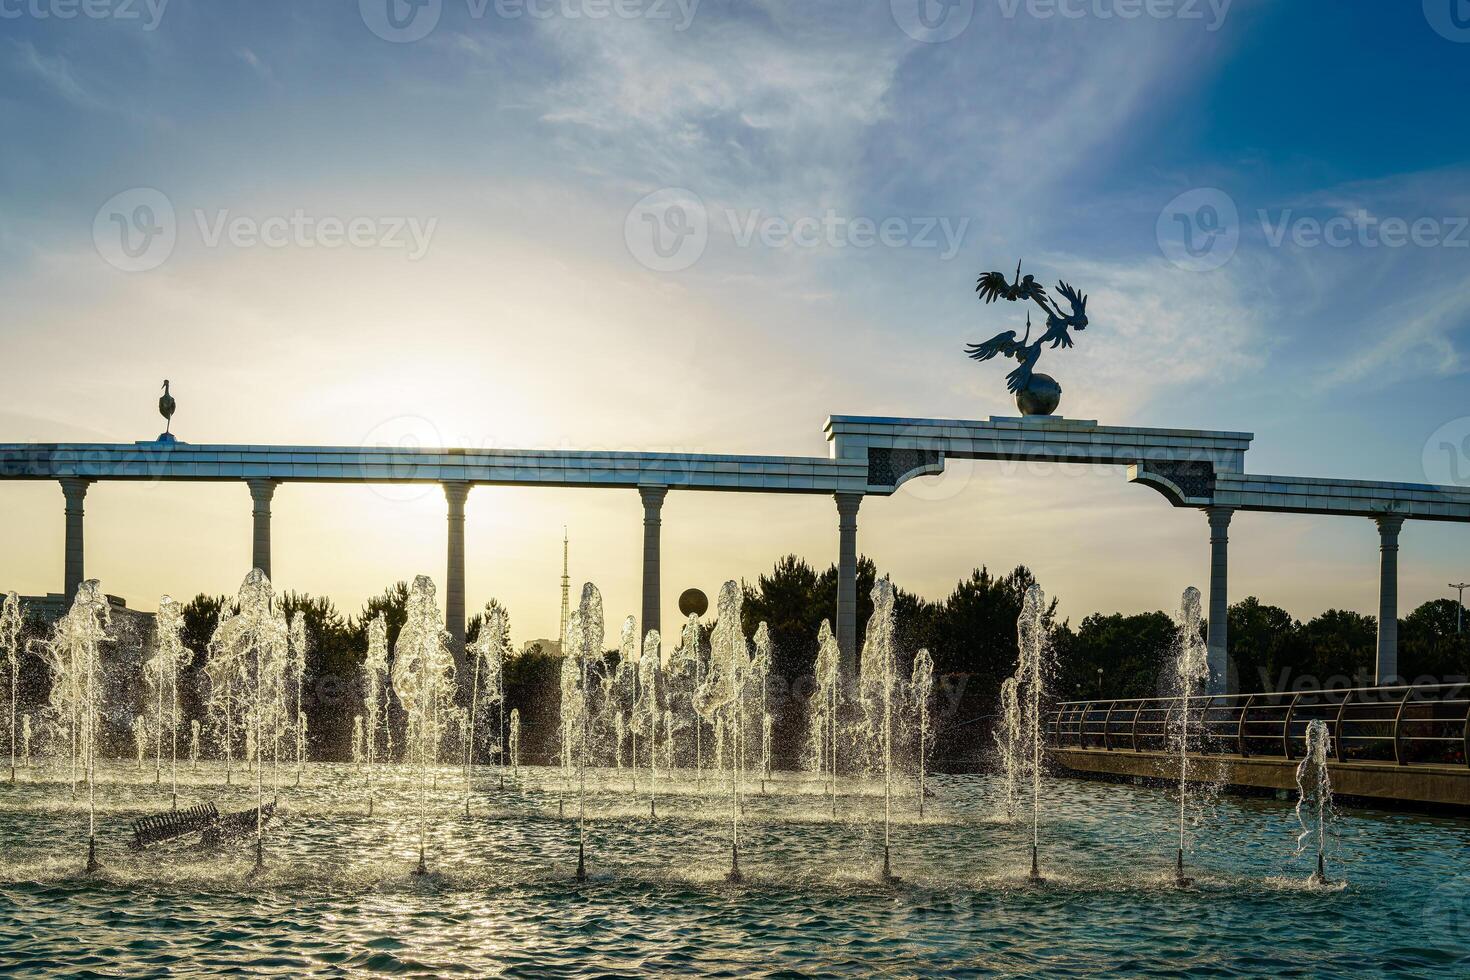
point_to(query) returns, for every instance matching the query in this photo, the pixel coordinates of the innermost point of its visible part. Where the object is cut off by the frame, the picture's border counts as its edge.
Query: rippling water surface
(338, 896)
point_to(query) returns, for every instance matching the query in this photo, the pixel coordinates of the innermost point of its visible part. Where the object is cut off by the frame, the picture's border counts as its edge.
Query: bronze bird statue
(993, 285)
(166, 407)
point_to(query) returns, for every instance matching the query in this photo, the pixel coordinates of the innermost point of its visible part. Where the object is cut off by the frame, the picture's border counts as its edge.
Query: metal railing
(1405, 725)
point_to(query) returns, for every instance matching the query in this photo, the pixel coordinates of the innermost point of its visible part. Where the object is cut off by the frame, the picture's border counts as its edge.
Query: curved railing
(1406, 725)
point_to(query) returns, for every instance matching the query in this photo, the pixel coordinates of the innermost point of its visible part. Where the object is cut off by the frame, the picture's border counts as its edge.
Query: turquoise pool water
(338, 897)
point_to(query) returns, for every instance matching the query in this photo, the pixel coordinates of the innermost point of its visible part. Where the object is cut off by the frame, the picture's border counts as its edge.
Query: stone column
(847, 509)
(1388, 598)
(261, 492)
(653, 503)
(74, 488)
(455, 492)
(1219, 612)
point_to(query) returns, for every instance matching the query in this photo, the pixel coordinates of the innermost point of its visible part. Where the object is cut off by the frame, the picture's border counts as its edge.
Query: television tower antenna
(566, 590)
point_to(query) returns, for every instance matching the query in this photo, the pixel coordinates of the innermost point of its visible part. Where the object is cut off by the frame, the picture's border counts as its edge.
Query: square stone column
(1218, 635)
(261, 493)
(74, 489)
(1387, 670)
(653, 502)
(847, 509)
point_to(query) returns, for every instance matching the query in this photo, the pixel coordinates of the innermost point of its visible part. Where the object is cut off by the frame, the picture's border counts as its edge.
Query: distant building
(47, 609)
(549, 647)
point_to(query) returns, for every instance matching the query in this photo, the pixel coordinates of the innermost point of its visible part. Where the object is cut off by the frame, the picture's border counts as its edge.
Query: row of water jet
(73, 657)
(423, 680)
(883, 728)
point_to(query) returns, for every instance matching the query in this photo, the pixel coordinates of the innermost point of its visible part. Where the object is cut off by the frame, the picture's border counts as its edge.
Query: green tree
(1430, 646)
(1260, 641)
(1132, 652)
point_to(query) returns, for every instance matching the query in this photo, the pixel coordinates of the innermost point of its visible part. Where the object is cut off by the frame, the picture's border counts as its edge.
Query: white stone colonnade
(867, 456)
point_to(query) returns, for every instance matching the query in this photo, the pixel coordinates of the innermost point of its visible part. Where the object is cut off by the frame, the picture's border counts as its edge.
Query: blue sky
(526, 313)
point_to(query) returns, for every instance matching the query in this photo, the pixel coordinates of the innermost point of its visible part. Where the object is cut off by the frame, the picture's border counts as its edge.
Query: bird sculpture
(994, 285)
(166, 406)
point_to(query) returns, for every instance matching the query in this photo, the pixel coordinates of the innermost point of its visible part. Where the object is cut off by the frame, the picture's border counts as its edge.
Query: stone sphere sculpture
(693, 602)
(1041, 396)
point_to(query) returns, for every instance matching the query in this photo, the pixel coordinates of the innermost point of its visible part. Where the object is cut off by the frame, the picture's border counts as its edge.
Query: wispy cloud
(55, 72)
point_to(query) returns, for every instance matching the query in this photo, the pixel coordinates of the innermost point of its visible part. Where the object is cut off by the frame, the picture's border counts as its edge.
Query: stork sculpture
(1036, 393)
(166, 406)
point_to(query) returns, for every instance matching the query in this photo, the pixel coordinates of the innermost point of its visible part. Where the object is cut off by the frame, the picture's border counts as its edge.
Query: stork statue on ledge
(166, 406)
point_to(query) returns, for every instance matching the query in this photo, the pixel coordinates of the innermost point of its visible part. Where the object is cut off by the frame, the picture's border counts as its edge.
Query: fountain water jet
(375, 693)
(140, 739)
(760, 675)
(73, 656)
(11, 622)
(689, 668)
(359, 752)
(1033, 648)
(252, 645)
(922, 690)
(515, 741)
(423, 679)
(221, 703)
(719, 697)
(295, 666)
(822, 726)
(876, 677)
(1314, 783)
(170, 656)
(583, 648)
(622, 697)
(1191, 674)
(646, 712)
(489, 652)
